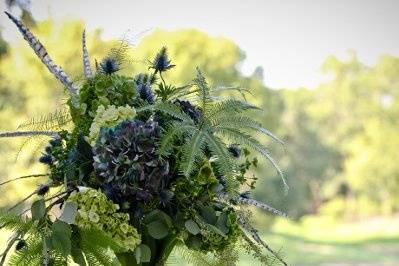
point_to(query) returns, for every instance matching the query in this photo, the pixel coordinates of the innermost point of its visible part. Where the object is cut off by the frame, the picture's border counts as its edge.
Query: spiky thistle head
(234, 150)
(143, 86)
(20, 245)
(109, 65)
(191, 110)
(46, 159)
(161, 61)
(43, 189)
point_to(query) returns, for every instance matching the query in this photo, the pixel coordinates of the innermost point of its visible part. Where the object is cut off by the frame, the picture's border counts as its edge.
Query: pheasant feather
(86, 59)
(260, 205)
(41, 52)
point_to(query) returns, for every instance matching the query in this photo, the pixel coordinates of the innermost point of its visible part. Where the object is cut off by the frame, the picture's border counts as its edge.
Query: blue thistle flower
(43, 189)
(109, 65)
(165, 197)
(246, 194)
(192, 111)
(20, 245)
(234, 150)
(46, 159)
(55, 142)
(161, 61)
(143, 86)
(48, 149)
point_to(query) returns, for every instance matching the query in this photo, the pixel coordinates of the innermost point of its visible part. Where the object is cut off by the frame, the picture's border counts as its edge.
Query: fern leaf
(15, 222)
(218, 148)
(227, 107)
(254, 234)
(173, 131)
(52, 121)
(247, 140)
(203, 91)
(242, 122)
(168, 108)
(195, 257)
(31, 255)
(192, 150)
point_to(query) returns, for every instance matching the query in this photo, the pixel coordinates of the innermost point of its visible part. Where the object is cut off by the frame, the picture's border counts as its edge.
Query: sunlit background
(325, 72)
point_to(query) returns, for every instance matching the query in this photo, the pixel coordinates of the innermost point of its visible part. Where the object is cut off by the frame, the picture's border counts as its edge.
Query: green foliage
(102, 90)
(53, 121)
(97, 212)
(156, 173)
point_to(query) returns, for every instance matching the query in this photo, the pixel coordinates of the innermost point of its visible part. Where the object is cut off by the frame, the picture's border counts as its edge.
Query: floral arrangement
(146, 168)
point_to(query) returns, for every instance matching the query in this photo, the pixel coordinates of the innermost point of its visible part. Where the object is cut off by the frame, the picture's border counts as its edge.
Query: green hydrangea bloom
(109, 117)
(96, 211)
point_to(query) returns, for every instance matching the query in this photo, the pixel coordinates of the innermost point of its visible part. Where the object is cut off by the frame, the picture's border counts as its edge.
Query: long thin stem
(23, 177)
(163, 81)
(22, 201)
(10, 243)
(12, 134)
(28, 197)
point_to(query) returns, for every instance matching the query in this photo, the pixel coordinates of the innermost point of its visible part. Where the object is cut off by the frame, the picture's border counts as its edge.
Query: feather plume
(41, 52)
(27, 134)
(86, 59)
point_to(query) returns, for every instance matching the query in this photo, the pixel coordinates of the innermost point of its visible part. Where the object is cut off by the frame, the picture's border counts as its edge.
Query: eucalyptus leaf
(142, 253)
(158, 229)
(69, 213)
(208, 214)
(192, 227)
(38, 209)
(61, 237)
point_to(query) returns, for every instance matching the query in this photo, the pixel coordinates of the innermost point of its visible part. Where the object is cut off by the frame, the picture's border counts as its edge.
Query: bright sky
(289, 38)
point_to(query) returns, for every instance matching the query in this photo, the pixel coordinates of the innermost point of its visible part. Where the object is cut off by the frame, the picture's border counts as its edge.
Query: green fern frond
(247, 140)
(15, 222)
(173, 131)
(53, 121)
(252, 248)
(243, 122)
(168, 108)
(223, 162)
(98, 247)
(194, 257)
(228, 107)
(30, 255)
(192, 151)
(203, 91)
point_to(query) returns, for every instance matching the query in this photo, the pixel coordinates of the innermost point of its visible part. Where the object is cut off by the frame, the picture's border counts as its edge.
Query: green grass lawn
(323, 241)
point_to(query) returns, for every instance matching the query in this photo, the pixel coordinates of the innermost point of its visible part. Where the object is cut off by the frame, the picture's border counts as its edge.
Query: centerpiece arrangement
(146, 168)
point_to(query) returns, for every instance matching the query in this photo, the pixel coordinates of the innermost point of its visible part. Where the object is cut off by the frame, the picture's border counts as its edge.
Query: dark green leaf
(192, 227)
(61, 237)
(158, 229)
(208, 214)
(222, 223)
(78, 256)
(142, 253)
(61, 243)
(38, 209)
(69, 213)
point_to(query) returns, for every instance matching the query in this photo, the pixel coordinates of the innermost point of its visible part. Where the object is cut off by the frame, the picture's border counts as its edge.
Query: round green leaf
(192, 227)
(145, 253)
(157, 229)
(38, 209)
(69, 213)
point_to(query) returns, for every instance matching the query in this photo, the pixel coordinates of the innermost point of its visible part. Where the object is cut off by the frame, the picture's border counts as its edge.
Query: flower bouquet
(145, 169)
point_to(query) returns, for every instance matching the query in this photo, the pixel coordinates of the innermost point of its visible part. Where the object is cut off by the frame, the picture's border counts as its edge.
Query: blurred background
(325, 72)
